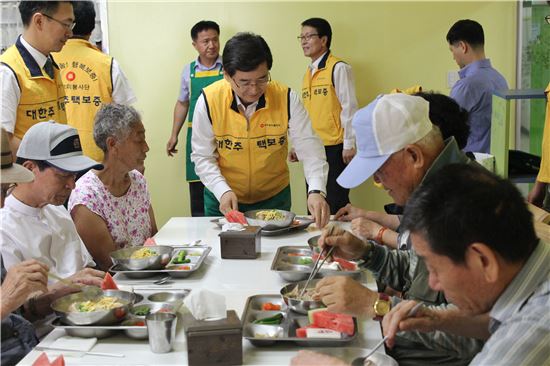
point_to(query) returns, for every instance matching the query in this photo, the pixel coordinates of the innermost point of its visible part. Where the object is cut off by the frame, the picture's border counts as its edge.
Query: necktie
(48, 67)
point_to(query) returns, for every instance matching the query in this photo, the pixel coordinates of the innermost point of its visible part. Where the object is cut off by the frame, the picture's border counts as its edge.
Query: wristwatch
(381, 306)
(317, 191)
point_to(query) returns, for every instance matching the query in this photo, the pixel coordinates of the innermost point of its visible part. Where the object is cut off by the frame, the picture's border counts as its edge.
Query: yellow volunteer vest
(42, 98)
(319, 98)
(544, 172)
(86, 76)
(252, 155)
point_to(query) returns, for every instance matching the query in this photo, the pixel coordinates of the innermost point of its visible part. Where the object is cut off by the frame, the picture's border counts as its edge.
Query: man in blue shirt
(478, 81)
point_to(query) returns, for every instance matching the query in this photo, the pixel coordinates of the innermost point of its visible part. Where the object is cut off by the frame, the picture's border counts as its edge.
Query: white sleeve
(345, 91)
(204, 151)
(308, 145)
(122, 91)
(10, 96)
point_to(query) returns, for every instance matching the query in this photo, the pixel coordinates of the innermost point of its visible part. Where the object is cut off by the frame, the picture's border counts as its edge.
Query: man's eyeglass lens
(306, 37)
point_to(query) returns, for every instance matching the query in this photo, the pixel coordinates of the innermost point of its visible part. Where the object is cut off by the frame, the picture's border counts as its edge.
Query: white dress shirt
(345, 91)
(305, 141)
(47, 234)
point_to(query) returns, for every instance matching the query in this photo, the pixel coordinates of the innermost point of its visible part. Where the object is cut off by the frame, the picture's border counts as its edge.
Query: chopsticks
(64, 280)
(105, 354)
(316, 265)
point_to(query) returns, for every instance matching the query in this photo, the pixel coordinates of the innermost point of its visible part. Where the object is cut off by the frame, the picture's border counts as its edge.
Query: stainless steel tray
(195, 253)
(286, 331)
(300, 223)
(287, 264)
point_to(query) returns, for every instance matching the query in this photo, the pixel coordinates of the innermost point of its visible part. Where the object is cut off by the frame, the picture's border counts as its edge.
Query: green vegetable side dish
(181, 258)
(272, 320)
(142, 310)
(305, 261)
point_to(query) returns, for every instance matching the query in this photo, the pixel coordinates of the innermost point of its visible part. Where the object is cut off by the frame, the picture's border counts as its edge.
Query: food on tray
(143, 253)
(305, 261)
(108, 283)
(103, 303)
(314, 332)
(141, 310)
(266, 335)
(133, 323)
(308, 295)
(181, 258)
(337, 264)
(270, 215)
(324, 324)
(270, 306)
(272, 320)
(296, 254)
(236, 216)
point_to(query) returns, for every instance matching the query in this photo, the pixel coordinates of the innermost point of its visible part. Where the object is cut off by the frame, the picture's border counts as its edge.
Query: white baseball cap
(385, 126)
(56, 144)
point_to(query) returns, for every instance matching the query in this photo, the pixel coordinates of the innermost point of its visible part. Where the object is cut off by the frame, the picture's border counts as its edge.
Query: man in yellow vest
(205, 70)
(90, 77)
(31, 86)
(328, 93)
(241, 127)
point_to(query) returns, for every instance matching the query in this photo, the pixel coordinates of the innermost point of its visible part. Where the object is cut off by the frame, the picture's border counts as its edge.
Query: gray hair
(432, 141)
(114, 120)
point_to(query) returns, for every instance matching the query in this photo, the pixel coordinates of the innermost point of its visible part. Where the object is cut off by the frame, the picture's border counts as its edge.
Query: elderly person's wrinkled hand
(319, 209)
(399, 319)
(349, 212)
(88, 276)
(346, 245)
(21, 281)
(310, 358)
(342, 294)
(365, 228)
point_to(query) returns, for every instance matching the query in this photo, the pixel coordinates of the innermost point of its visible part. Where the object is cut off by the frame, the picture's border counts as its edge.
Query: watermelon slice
(59, 361)
(346, 265)
(108, 282)
(236, 216)
(42, 360)
(342, 323)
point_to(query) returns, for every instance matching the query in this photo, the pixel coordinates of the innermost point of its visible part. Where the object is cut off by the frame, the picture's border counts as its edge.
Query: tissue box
(215, 342)
(244, 244)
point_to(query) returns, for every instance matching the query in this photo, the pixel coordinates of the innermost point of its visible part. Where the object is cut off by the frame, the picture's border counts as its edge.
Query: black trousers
(196, 195)
(337, 196)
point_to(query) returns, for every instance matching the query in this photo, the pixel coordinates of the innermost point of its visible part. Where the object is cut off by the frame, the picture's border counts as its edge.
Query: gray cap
(58, 145)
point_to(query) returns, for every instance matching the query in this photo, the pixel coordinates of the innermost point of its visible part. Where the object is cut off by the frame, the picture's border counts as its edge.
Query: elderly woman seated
(111, 208)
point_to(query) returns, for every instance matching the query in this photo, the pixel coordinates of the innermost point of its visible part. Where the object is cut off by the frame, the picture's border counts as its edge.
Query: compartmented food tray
(266, 335)
(299, 223)
(295, 263)
(195, 254)
(128, 325)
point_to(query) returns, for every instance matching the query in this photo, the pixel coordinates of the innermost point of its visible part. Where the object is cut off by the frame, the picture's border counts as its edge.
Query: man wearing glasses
(31, 85)
(328, 93)
(241, 128)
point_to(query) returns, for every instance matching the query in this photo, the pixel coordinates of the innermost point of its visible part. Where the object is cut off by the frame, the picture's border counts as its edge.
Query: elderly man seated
(399, 146)
(35, 225)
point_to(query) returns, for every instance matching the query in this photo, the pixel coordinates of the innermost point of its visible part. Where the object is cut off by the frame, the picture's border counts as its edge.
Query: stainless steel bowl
(159, 261)
(102, 317)
(165, 307)
(174, 298)
(312, 242)
(300, 306)
(270, 224)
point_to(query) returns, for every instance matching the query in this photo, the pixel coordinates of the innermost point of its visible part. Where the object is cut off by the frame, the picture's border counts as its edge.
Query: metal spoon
(162, 281)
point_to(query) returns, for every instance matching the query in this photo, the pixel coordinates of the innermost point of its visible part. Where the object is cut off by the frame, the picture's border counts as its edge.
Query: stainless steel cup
(162, 331)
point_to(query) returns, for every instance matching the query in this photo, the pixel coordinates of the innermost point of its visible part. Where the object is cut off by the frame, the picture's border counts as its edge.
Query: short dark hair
(28, 8)
(41, 164)
(463, 204)
(245, 52)
(202, 26)
(84, 16)
(321, 26)
(446, 114)
(468, 31)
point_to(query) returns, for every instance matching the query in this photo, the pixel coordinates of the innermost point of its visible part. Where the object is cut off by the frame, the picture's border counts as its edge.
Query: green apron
(198, 81)
(281, 201)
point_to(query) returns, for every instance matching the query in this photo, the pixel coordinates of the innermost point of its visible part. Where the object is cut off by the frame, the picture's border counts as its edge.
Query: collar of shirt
(473, 67)
(315, 64)
(14, 204)
(37, 55)
(201, 67)
(522, 286)
(247, 111)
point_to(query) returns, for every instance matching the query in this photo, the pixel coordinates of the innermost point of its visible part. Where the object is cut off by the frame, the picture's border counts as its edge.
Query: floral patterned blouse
(127, 217)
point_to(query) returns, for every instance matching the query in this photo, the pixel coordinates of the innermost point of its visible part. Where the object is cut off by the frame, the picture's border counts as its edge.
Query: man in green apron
(205, 70)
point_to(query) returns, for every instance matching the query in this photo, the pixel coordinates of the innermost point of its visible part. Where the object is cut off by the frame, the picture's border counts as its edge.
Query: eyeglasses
(307, 37)
(547, 18)
(68, 26)
(261, 82)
